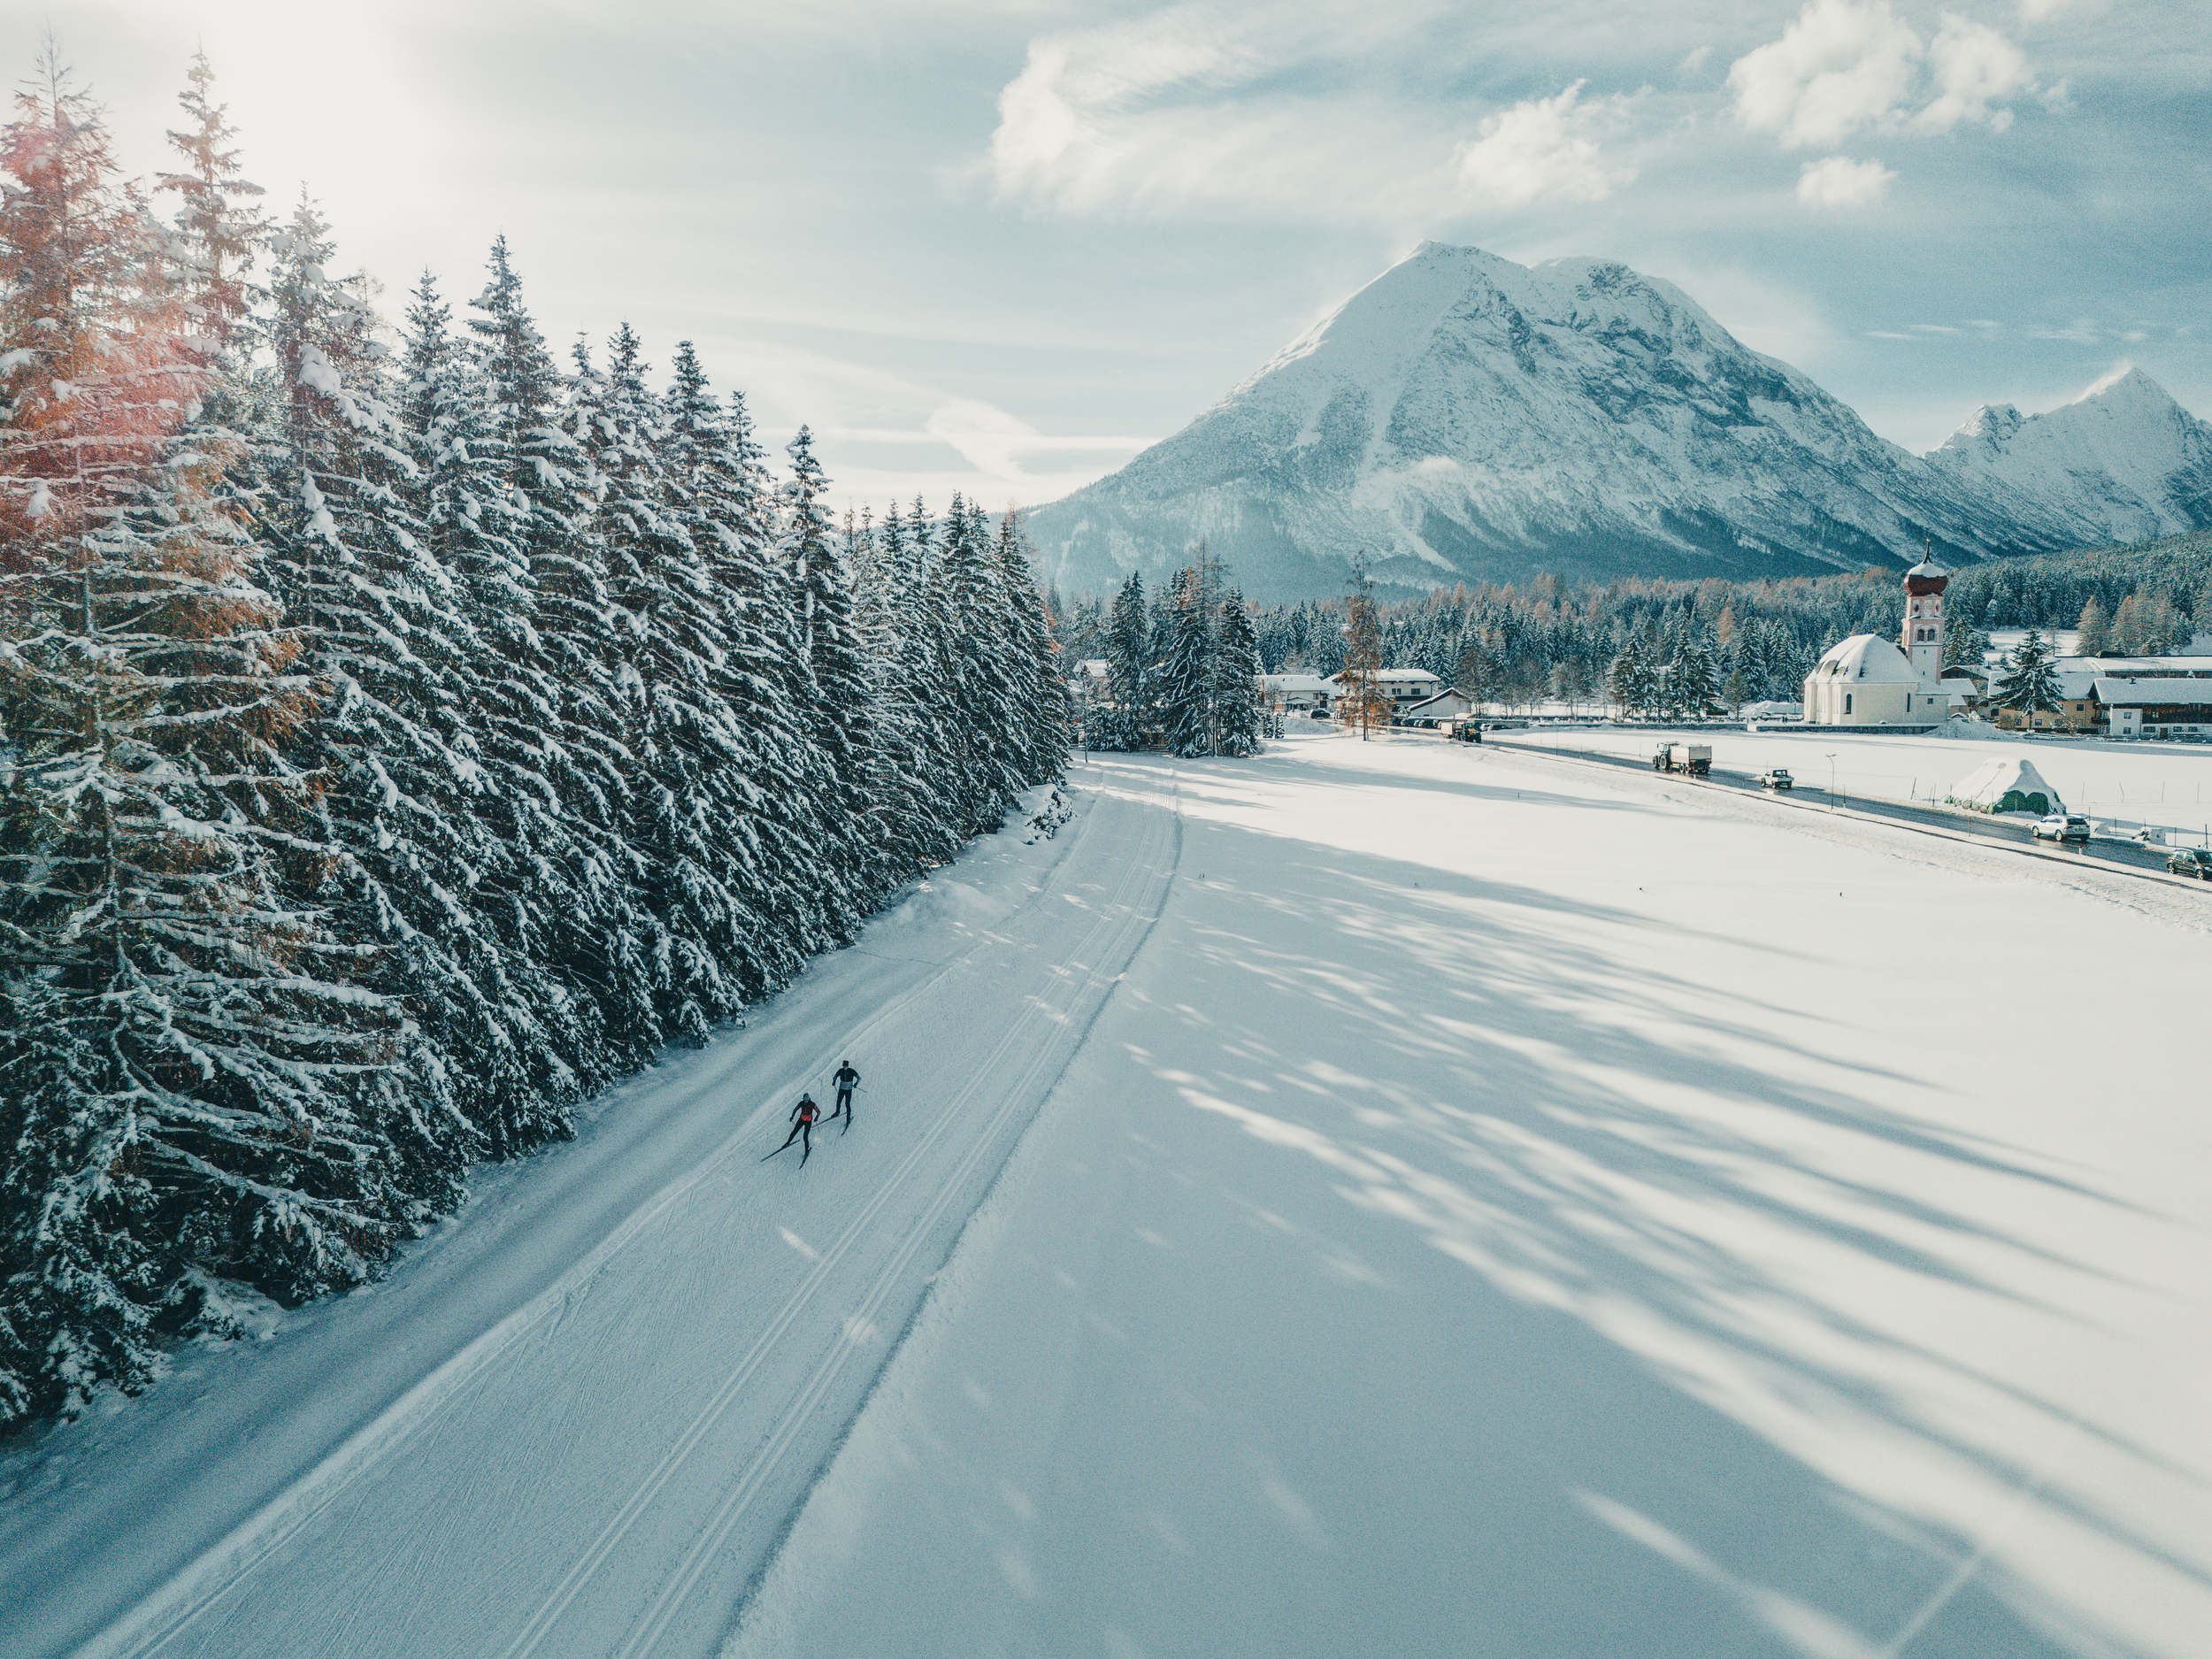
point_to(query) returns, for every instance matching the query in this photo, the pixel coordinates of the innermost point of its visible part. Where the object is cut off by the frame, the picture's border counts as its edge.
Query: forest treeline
(1181, 673)
(402, 734)
(1745, 641)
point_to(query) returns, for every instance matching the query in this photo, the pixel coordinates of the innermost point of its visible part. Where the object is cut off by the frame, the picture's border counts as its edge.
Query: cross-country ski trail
(593, 1437)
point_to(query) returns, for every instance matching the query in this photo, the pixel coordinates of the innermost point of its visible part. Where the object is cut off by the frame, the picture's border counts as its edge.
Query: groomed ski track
(582, 1427)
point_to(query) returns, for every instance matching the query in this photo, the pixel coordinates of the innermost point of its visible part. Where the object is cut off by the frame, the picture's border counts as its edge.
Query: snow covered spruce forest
(402, 736)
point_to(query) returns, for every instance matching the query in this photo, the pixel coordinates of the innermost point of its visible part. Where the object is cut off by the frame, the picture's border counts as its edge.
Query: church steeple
(1922, 639)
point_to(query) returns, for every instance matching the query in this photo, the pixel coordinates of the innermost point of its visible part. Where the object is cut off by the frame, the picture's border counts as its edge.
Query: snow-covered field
(1498, 1207)
(2166, 784)
(1511, 1211)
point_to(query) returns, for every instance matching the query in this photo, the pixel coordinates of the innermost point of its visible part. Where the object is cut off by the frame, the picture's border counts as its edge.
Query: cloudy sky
(998, 245)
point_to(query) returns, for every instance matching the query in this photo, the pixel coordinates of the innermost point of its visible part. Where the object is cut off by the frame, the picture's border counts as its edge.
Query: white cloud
(1285, 109)
(1973, 66)
(1847, 66)
(1838, 181)
(1541, 149)
(994, 441)
(1840, 66)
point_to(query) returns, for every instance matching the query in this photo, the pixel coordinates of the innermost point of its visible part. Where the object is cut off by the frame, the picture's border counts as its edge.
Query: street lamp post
(1831, 781)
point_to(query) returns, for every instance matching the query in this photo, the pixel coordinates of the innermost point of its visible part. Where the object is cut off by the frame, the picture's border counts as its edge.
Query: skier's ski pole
(786, 1146)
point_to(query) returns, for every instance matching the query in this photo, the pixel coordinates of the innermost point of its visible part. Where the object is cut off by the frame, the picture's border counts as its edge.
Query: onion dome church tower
(1871, 679)
(1923, 638)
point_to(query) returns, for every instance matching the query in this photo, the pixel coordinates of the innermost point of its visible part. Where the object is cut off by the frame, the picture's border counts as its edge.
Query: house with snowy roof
(1402, 685)
(1287, 694)
(1451, 703)
(2178, 707)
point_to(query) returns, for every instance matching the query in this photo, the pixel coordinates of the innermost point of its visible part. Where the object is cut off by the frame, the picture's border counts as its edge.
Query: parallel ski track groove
(172, 1607)
(1125, 914)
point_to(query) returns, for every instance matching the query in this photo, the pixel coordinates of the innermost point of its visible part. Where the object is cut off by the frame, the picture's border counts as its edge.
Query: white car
(2064, 827)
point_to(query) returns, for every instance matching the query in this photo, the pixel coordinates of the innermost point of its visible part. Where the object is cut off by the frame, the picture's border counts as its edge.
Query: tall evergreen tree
(1186, 679)
(570, 642)
(1039, 688)
(2029, 687)
(1236, 686)
(217, 217)
(189, 1081)
(1129, 667)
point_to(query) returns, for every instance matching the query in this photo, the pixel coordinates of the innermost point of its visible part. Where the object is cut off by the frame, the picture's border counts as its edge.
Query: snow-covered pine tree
(836, 682)
(1693, 683)
(978, 652)
(1129, 667)
(91, 353)
(608, 941)
(401, 806)
(926, 695)
(727, 502)
(217, 218)
(1236, 684)
(1185, 691)
(2029, 686)
(896, 730)
(189, 1084)
(455, 496)
(1040, 688)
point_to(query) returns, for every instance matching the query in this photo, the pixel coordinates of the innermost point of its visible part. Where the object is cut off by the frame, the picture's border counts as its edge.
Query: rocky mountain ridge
(1466, 418)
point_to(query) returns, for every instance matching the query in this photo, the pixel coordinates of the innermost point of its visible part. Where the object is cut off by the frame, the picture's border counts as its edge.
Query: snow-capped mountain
(2121, 463)
(1464, 416)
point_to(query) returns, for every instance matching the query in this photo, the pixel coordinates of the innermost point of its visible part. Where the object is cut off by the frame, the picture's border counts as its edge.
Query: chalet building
(2162, 707)
(1404, 687)
(1295, 693)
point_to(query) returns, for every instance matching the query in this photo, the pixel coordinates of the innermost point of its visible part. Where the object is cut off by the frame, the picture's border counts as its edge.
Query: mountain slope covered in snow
(2122, 462)
(1465, 416)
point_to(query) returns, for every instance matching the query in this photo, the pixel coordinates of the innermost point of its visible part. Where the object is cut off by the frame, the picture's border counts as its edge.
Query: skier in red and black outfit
(845, 1077)
(803, 1116)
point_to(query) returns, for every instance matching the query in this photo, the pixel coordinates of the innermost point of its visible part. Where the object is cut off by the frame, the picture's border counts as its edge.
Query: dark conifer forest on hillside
(402, 735)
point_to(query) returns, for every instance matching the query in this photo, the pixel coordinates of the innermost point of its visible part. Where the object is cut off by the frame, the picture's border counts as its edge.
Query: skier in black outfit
(803, 1116)
(845, 1077)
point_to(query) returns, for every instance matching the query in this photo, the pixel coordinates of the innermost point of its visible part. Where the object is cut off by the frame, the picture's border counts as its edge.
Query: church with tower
(1870, 679)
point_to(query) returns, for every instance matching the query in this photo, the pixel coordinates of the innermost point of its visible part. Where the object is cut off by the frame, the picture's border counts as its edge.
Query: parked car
(1778, 778)
(2064, 827)
(2190, 861)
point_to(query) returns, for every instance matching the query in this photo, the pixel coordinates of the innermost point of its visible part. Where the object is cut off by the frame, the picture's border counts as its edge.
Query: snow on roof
(2133, 666)
(2137, 692)
(1874, 658)
(2000, 775)
(1395, 676)
(1449, 694)
(1294, 682)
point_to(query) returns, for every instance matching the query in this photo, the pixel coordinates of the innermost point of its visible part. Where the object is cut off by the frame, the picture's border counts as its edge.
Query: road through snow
(569, 1437)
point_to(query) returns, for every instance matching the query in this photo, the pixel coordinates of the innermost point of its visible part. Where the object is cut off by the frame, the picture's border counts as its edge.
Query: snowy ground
(1500, 1206)
(575, 1422)
(1511, 1210)
(2165, 784)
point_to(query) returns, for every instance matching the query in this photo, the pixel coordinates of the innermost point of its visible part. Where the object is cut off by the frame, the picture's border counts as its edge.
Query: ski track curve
(215, 1602)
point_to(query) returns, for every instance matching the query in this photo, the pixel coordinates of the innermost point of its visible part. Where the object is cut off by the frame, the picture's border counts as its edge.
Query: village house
(1402, 685)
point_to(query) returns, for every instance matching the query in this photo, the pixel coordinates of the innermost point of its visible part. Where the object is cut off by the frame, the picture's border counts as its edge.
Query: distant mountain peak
(2121, 461)
(1465, 416)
